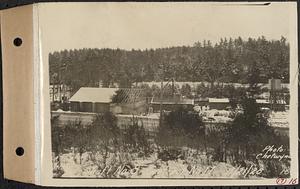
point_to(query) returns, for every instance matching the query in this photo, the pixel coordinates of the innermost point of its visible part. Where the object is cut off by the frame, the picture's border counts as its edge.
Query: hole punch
(17, 42)
(20, 151)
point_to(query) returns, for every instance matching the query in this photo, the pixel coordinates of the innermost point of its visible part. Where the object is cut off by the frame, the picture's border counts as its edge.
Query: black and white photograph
(171, 91)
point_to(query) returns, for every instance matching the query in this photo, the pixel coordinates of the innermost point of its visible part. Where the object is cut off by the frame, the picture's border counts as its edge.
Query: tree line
(254, 60)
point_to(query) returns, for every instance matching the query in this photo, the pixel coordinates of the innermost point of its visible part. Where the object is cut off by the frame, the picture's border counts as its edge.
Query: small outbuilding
(99, 100)
(88, 99)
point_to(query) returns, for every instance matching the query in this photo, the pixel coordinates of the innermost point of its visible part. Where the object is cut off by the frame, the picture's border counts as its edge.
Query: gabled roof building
(99, 100)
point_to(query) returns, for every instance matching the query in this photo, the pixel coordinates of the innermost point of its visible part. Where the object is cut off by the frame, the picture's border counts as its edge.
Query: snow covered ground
(279, 119)
(150, 167)
(276, 119)
(217, 116)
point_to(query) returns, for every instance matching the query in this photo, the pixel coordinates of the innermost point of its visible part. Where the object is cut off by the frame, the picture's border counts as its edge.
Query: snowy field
(279, 119)
(150, 167)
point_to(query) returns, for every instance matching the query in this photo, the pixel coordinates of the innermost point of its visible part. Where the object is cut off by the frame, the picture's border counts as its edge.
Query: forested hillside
(229, 60)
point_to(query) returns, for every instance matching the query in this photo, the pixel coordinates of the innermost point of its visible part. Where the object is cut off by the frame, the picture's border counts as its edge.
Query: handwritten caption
(272, 152)
(287, 181)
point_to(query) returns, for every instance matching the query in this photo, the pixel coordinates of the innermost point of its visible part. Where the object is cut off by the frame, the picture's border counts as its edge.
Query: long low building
(99, 100)
(170, 104)
(218, 103)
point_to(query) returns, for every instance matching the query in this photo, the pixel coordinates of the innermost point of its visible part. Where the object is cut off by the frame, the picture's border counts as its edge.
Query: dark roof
(131, 95)
(156, 100)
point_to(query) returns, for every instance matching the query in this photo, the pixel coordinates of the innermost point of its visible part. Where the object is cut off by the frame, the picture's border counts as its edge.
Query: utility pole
(173, 88)
(161, 94)
(161, 104)
(53, 88)
(59, 82)
(161, 98)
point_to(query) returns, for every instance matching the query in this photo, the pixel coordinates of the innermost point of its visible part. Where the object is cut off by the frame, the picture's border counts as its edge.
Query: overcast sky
(155, 25)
